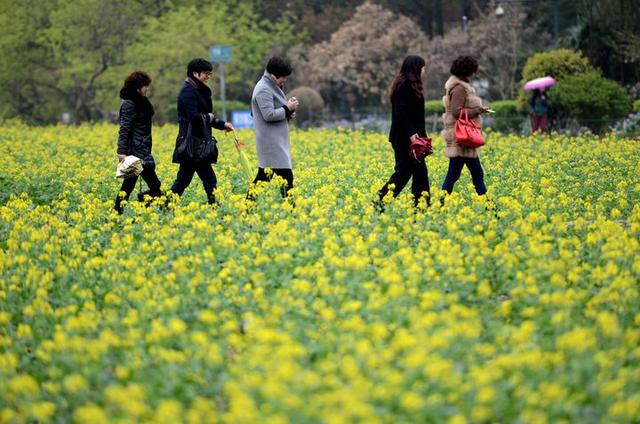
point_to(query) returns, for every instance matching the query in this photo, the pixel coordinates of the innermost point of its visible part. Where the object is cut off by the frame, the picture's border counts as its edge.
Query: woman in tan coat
(459, 96)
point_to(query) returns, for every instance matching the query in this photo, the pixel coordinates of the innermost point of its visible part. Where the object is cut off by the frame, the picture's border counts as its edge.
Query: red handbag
(468, 133)
(420, 148)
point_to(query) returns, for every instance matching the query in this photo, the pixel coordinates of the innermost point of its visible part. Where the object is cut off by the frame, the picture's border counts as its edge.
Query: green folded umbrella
(244, 161)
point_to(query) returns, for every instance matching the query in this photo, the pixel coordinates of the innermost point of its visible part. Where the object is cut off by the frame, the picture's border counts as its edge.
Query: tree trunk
(438, 17)
(428, 18)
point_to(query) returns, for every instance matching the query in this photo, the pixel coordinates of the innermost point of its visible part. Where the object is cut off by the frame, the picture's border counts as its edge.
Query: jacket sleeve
(269, 113)
(401, 111)
(458, 100)
(127, 116)
(217, 123)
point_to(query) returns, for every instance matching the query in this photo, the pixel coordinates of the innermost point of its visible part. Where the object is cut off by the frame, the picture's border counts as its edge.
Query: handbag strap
(189, 131)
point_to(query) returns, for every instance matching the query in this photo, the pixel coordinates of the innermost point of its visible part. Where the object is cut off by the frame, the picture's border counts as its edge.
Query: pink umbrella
(538, 83)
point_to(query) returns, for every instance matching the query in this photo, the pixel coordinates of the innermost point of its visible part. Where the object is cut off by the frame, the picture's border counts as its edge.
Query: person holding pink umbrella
(539, 108)
(539, 104)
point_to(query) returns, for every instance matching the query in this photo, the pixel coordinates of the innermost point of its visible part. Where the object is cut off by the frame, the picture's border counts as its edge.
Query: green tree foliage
(164, 46)
(592, 100)
(507, 117)
(62, 55)
(609, 37)
(26, 75)
(85, 39)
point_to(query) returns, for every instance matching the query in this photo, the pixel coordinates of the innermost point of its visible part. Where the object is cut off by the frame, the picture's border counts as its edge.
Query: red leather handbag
(467, 132)
(420, 148)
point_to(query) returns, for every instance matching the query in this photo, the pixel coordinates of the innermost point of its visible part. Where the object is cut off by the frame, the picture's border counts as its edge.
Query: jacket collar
(142, 102)
(453, 81)
(272, 83)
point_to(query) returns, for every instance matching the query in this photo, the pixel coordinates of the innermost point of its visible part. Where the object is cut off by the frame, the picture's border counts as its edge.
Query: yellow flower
(90, 413)
(43, 411)
(75, 383)
(411, 401)
(23, 385)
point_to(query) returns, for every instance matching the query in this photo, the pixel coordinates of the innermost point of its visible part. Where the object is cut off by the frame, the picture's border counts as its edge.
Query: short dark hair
(279, 67)
(199, 65)
(464, 66)
(136, 80)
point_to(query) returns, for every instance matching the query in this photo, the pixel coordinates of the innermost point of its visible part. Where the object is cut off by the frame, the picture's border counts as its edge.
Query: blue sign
(220, 54)
(242, 119)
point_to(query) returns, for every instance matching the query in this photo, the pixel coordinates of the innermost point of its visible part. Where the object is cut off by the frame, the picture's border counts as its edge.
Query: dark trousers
(455, 169)
(128, 184)
(407, 168)
(266, 174)
(185, 175)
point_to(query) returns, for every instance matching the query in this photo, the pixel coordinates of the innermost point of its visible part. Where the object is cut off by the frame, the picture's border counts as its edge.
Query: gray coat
(271, 124)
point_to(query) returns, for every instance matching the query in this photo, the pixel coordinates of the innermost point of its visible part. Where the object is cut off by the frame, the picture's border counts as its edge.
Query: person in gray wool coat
(271, 114)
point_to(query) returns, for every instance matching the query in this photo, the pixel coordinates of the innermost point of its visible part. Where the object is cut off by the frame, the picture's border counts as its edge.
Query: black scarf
(143, 105)
(203, 90)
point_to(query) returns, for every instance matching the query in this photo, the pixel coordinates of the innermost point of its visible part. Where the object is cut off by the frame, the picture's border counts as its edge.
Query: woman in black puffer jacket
(134, 137)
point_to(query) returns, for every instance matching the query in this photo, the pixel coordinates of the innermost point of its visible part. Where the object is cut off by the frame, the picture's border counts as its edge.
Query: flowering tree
(359, 61)
(500, 43)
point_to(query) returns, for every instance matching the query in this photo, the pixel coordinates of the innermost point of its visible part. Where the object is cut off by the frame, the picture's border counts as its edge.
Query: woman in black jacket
(407, 122)
(134, 138)
(195, 107)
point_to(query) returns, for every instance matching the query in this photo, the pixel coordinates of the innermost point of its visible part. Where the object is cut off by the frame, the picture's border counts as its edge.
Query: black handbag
(194, 149)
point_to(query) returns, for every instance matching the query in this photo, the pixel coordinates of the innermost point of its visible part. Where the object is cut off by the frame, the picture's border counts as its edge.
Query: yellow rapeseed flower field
(524, 308)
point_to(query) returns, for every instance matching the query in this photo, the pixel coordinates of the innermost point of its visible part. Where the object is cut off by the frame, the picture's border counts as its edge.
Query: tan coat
(472, 101)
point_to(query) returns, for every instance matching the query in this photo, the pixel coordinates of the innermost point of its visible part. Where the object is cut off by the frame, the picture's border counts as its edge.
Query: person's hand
(228, 126)
(413, 137)
(484, 109)
(292, 104)
(121, 157)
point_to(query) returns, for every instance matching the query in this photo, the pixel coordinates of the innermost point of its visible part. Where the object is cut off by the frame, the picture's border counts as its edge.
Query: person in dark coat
(407, 122)
(539, 108)
(134, 138)
(194, 105)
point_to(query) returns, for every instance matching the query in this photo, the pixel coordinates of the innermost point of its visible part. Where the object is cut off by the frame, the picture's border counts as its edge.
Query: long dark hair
(409, 71)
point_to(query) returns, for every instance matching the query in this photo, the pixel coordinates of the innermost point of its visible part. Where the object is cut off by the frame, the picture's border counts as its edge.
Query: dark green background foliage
(507, 116)
(592, 100)
(433, 107)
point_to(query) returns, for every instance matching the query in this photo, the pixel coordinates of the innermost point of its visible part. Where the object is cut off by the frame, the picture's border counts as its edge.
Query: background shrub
(311, 104)
(433, 107)
(593, 101)
(508, 117)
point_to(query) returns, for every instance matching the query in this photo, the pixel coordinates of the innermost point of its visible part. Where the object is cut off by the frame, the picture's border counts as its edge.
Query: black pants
(128, 184)
(455, 169)
(185, 175)
(266, 174)
(405, 169)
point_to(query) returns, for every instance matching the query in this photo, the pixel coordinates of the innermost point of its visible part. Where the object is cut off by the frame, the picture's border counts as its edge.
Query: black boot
(141, 195)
